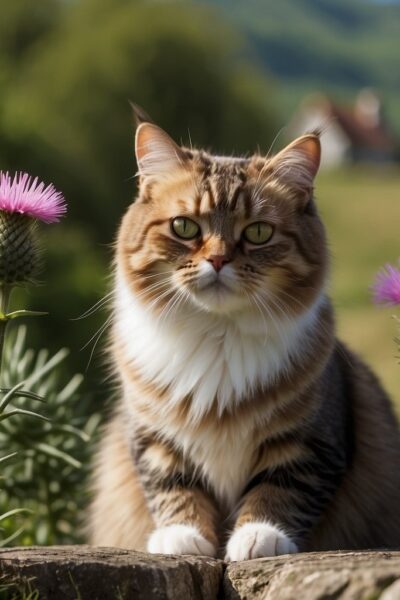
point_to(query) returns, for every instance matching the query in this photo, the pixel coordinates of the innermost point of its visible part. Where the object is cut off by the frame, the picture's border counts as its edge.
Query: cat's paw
(179, 539)
(254, 540)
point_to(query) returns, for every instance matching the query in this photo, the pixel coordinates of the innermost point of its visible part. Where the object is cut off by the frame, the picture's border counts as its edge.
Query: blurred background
(231, 75)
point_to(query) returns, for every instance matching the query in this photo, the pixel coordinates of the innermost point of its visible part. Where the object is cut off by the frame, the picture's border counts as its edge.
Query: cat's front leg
(262, 526)
(281, 506)
(184, 514)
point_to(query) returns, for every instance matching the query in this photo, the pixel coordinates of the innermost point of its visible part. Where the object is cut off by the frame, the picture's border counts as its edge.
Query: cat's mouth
(216, 296)
(216, 291)
(216, 285)
(213, 286)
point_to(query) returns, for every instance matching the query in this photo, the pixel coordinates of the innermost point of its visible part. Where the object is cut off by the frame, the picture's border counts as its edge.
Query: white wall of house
(336, 147)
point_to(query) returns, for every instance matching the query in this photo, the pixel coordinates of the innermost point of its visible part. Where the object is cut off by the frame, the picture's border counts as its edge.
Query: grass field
(361, 211)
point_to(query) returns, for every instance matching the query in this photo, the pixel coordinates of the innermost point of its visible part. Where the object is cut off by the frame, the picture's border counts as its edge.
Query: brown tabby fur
(316, 448)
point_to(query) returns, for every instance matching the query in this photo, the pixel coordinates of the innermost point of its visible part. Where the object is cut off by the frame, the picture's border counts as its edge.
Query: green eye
(185, 228)
(258, 233)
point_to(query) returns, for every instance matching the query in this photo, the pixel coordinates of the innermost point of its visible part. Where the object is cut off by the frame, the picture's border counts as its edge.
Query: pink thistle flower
(386, 289)
(28, 196)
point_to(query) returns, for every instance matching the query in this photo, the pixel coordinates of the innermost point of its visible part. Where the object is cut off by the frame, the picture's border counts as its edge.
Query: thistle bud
(19, 255)
(23, 202)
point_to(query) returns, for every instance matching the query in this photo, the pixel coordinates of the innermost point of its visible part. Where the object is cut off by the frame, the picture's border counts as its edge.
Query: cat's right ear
(139, 114)
(157, 154)
(298, 163)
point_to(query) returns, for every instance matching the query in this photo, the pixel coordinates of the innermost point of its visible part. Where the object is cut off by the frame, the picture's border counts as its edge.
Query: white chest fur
(212, 357)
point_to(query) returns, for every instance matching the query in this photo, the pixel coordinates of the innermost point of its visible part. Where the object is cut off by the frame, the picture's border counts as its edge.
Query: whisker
(99, 335)
(174, 301)
(253, 299)
(160, 297)
(257, 189)
(291, 297)
(161, 274)
(305, 307)
(107, 321)
(190, 139)
(96, 336)
(273, 320)
(281, 130)
(97, 306)
(153, 287)
(191, 278)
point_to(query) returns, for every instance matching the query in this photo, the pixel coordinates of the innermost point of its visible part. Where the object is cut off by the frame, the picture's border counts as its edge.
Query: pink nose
(218, 261)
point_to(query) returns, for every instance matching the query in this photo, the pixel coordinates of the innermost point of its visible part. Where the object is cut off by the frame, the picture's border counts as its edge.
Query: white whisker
(97, 306)
(275, 322)
(96, 337)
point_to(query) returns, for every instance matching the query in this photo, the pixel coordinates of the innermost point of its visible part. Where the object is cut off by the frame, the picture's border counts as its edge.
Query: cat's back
(365, 512)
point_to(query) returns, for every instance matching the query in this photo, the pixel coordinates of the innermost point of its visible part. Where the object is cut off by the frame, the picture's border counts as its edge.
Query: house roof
(360, 132)
(361, 127)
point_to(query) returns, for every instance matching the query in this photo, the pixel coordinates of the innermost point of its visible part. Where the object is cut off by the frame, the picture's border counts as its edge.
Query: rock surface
(316, 576)
(86, 573)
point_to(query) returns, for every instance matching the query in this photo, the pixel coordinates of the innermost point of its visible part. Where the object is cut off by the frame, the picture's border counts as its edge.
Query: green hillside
(334, 46)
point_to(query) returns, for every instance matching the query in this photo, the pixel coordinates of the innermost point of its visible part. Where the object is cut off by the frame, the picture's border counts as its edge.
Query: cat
(244, 427)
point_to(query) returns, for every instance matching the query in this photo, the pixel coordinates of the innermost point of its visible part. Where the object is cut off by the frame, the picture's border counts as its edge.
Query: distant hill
(334, 46)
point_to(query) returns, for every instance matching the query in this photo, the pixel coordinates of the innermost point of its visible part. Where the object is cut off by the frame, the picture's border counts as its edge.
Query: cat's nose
(218, 261)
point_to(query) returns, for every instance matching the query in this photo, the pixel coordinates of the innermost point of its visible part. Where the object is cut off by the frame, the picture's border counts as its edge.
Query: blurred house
(350, 134)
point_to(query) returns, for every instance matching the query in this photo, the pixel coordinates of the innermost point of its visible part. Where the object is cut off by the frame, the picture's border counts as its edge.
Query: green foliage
(18, 590)
(48, 453)
(23, 24)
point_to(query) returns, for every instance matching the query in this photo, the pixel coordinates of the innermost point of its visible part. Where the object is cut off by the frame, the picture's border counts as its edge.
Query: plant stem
(5, 291)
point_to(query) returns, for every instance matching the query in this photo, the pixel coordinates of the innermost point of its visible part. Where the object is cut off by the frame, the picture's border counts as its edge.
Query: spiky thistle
(26, 195)
(386, 289)
(23, 202)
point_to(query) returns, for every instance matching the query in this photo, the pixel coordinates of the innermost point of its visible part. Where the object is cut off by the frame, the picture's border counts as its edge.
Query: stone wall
(85, 573)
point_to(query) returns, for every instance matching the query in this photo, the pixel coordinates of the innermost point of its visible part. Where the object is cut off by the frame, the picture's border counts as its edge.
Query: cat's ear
(157, 154)
(298, 163)
(140, 115)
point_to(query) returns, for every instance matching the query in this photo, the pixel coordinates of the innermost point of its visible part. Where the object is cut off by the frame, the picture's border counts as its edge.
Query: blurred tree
(22, 25)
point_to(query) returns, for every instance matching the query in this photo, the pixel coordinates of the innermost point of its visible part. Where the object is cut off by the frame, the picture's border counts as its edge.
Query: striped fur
(244, 426)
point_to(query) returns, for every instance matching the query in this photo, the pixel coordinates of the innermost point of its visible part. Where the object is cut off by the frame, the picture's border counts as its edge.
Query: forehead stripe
(247, 204)
(211, 196)
(139, 244)
(197, 204)
(235, 196)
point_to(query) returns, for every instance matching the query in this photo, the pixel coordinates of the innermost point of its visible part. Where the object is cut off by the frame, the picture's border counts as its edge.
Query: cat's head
(223, 234)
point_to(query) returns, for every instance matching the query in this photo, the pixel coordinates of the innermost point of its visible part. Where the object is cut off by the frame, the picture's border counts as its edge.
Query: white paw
(254, 540)
(179, 539)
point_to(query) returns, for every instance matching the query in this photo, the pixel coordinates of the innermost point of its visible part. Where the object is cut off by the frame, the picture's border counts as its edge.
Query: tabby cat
(244, 428)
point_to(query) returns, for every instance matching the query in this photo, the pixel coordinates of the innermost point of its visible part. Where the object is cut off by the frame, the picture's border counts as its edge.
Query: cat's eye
(258, 233)
(185, 228)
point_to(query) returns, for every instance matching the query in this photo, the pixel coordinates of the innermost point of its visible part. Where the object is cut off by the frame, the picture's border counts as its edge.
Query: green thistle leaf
(53, 452)
(13, 512)
(16, 314)
(21, 411)
(10, 394)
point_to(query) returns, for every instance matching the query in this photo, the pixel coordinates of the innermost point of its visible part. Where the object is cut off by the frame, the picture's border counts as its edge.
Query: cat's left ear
(157, 154)
(298, 163)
